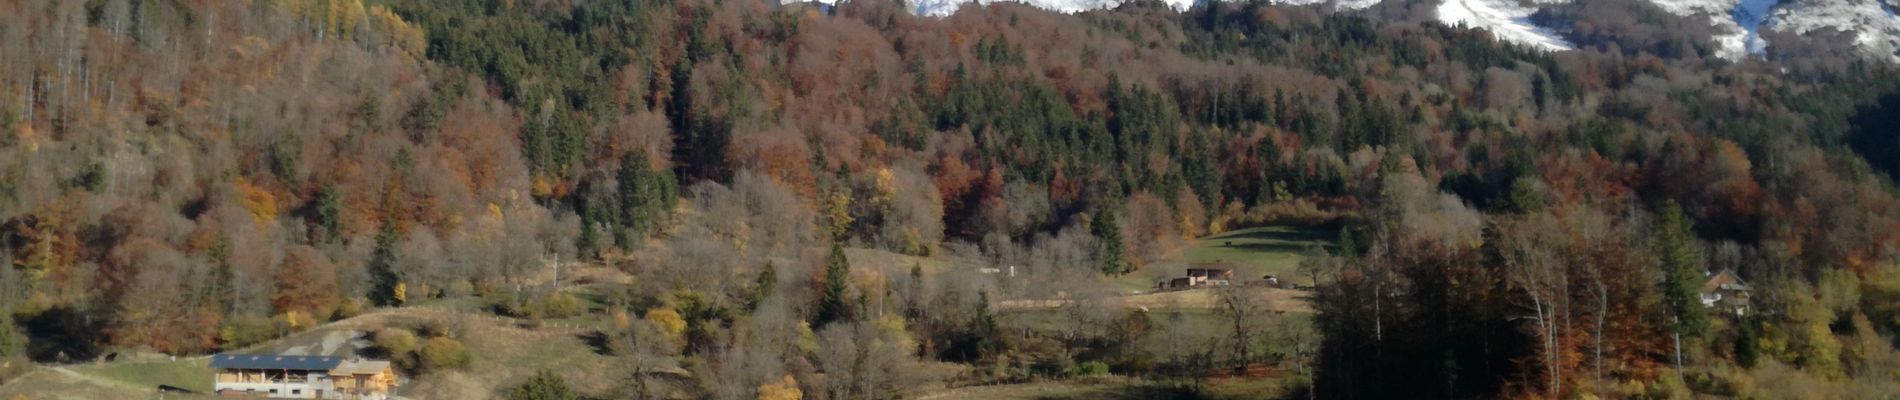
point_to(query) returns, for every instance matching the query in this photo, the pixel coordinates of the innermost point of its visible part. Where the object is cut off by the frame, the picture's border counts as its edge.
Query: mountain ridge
(1738, 25)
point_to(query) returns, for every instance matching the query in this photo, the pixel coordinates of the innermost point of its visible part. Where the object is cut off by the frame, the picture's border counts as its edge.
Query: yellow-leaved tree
(258, 200)
(784, 389)
(669, 323)
(401, 294)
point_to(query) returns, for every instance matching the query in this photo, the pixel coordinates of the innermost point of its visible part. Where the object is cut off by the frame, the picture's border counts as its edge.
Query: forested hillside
(188, 177)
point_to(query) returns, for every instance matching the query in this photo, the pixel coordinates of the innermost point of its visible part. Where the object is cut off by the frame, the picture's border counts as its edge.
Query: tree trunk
(1676, 337)
(1545, 323)
(1603, 308)
(1378, 314)
(27, 96)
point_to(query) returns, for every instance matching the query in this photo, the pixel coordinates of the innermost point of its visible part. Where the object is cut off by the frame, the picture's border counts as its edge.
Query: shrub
(1720, 381)
(436, 352)
(506, 303)
(545, 385)
(439, 353)
(460, 288)
(350, 307)
(561, 305)
(245, 330)
(668, 322)
(449, 329)
(396, 344)
(12, 340)
(1091, 368)
(395, 341)
(1666, 386)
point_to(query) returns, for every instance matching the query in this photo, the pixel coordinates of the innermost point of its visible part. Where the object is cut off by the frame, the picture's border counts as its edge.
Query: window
(296, 391)
(273, 391)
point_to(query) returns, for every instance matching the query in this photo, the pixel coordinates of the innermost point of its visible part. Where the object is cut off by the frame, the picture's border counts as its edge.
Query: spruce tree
(1747, 350)
(545, 385)
(329, 214)
(914, 293)
(762, 286)
(12, 340)
(1108, 231)
(645, 197)
(1675, 245)
(589, 241)
(636, 204)
(983, 327)
(382, 268)
(1268, 153)
(833, 306)
(1348, 247)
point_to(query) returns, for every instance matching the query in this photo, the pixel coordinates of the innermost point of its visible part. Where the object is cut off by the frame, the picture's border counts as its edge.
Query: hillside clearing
(1283, 300)
(1253, 253)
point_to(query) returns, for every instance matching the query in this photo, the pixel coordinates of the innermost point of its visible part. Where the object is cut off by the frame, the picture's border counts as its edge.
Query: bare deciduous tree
(1245, 313)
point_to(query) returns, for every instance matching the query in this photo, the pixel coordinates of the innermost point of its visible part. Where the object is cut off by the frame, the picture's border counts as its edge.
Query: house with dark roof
(301, 377)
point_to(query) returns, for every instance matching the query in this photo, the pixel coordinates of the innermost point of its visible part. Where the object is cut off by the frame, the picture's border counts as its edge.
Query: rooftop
(253, 361)
(361, 367)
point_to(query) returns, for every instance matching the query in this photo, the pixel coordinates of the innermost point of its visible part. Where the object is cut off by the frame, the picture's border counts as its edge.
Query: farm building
(1208, 276)
(301, 377)
(1197, 278)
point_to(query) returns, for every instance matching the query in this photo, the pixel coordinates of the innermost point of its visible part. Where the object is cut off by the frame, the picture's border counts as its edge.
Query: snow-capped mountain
(1738, 24)
(1875, 28)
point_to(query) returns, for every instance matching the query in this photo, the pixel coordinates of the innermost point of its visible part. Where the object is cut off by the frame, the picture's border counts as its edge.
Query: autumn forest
(708, 180)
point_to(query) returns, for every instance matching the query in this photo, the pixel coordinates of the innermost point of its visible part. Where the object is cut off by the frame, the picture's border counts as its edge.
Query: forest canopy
(188, 177)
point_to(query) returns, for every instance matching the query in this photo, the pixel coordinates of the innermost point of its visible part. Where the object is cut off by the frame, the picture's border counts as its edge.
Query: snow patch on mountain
(1340, 4)
(944, 8)
(1694, 7)
(1505, 18)
(1872, 24)
(1750, 14)
(1738, 24)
